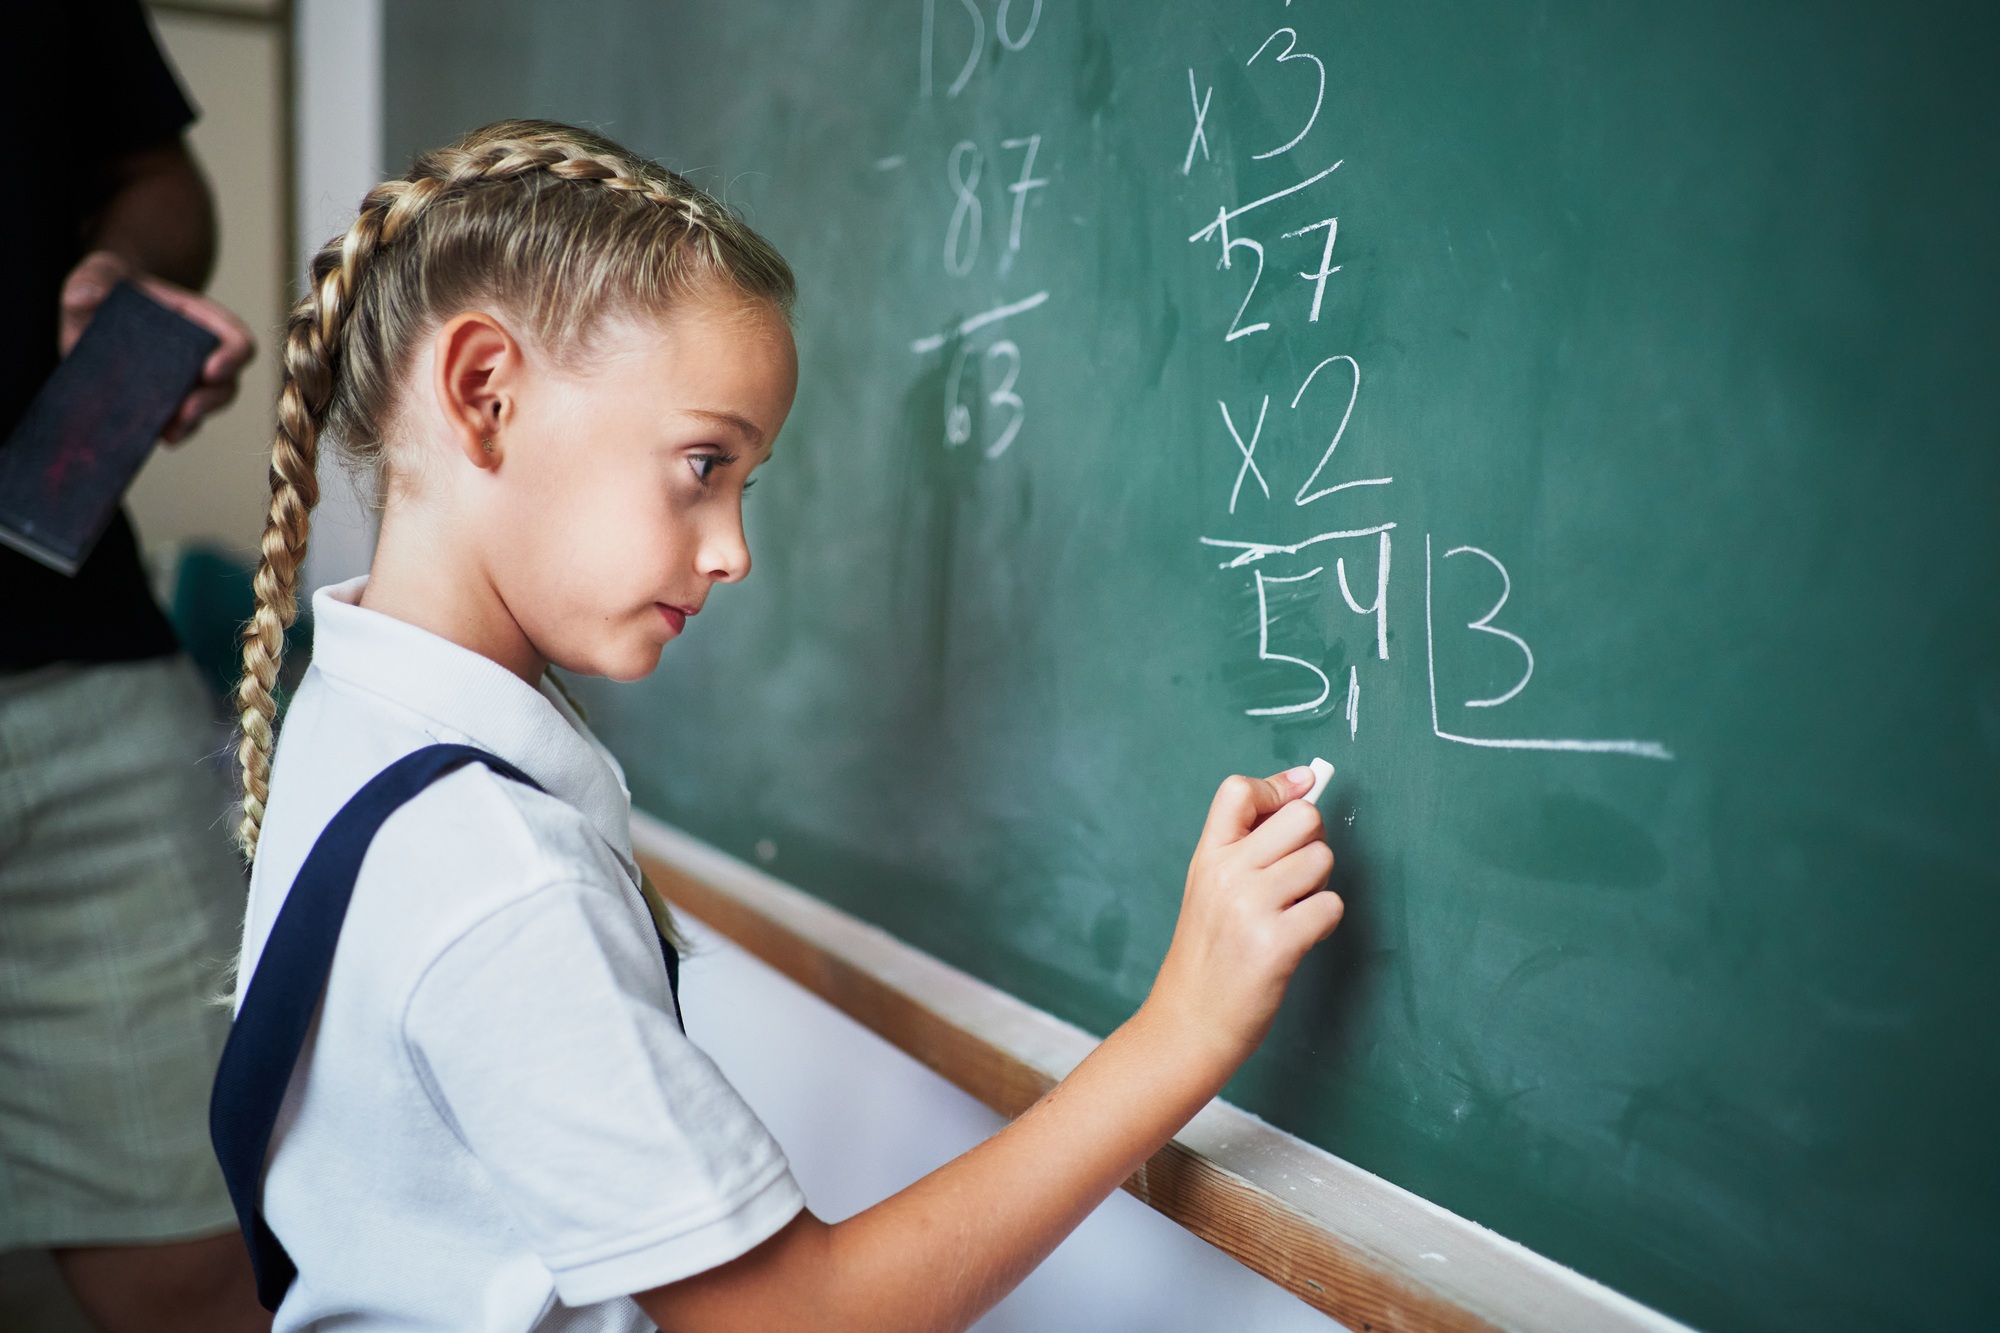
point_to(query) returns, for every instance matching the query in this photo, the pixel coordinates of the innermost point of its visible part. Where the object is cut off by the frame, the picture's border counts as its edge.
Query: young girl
(562, 363)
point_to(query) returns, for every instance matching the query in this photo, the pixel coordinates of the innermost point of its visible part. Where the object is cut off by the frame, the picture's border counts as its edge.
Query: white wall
(213, 488)
(860, 1119)
(339, 90)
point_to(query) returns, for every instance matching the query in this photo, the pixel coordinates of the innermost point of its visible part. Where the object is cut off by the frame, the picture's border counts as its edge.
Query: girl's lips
(676, 618)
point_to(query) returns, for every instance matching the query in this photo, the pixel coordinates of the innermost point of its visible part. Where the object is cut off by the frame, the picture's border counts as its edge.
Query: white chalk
(1322, 774)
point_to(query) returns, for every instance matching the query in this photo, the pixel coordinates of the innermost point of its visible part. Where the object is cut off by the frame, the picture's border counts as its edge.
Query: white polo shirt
(496, 1123)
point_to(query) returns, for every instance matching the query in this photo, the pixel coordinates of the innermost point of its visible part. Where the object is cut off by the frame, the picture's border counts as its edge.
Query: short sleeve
(123, 96)
(544, 1036)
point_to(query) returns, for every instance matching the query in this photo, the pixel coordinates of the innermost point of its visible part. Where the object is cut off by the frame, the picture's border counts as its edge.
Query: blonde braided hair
(558, 226)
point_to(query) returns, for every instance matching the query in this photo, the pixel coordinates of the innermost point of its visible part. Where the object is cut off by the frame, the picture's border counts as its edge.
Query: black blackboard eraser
(68, 462)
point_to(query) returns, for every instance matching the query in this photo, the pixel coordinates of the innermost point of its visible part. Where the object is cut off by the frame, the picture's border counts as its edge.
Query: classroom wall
(339, 109)
(231, 60)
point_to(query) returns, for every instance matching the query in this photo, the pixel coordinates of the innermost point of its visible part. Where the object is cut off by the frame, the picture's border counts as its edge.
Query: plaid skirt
(121, 904)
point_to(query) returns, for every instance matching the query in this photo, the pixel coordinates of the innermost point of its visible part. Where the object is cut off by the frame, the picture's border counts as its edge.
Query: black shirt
(82, 85)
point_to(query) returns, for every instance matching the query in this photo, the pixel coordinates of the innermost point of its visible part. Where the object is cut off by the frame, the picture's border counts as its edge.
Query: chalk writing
(1013, 43)
(1306, 494)
(1249, 451)
(974, 323)
(1004, 396)
(1379, 608)
(1265, 556)
(1225, 216)
(1291, 53)
(1264, 653)
(1249, 553)
(1019, 189)
(976, 48)
(964, 232)
(1485, 625)
(1327, 268)
(957, 416)
(1640, 749)
(1237, 329)
(1199, 139)
(965, 218)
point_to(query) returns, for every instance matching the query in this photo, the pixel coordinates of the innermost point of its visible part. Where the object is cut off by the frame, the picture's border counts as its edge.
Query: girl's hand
(1254, 905)
(938, 1254)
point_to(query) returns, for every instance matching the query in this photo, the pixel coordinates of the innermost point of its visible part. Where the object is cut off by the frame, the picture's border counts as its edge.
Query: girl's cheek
(649, 545)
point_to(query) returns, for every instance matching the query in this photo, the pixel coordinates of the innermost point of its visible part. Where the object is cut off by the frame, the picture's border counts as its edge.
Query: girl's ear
(477, 370)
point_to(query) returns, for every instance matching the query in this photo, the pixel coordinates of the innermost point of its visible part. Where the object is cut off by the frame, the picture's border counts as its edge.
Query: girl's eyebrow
(742, 425)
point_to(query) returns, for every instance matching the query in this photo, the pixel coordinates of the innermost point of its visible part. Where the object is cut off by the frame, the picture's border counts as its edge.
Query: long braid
(328, 382)
(312, 346)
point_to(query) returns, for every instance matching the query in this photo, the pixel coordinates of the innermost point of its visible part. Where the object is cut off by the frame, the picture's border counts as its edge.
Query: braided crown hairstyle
(555, 225)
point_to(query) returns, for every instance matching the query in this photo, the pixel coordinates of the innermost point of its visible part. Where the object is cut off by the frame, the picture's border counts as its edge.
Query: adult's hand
(101, 270)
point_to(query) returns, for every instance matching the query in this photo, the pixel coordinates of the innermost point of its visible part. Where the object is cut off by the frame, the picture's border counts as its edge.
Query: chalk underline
(1226, 216)
(974, 323)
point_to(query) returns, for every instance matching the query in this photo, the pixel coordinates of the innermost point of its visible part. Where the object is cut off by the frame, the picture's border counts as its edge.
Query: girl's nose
(725, 557)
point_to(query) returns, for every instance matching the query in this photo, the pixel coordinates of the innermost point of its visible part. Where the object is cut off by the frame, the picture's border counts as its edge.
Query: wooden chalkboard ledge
(1367, 1252)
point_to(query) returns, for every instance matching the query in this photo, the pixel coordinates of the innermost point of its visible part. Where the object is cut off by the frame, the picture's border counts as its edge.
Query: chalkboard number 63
(958, 418)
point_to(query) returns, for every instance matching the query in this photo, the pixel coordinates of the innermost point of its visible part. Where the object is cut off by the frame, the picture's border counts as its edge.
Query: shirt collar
(460, 696)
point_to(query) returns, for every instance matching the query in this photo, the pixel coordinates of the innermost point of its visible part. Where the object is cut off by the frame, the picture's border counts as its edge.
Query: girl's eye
(705, 464)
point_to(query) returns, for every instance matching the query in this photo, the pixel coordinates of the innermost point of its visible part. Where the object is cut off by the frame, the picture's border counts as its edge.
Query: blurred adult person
(119, 895)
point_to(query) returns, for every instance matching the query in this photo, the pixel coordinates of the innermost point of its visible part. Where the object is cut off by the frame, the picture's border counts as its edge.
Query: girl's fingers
(1292, 827)
(1314, 917)
(1242, 803)
(1293, 877)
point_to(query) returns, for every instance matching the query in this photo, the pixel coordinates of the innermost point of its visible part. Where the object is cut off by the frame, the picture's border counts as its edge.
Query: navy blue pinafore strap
(283, 996)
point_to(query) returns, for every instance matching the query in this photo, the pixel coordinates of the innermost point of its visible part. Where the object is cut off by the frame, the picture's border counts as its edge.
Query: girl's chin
(632, 658)
(634, 666)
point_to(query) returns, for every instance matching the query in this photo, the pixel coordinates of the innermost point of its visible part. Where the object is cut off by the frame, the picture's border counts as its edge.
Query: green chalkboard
(1655, 350)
